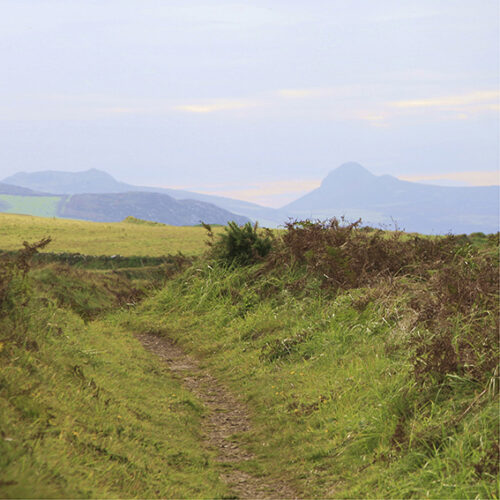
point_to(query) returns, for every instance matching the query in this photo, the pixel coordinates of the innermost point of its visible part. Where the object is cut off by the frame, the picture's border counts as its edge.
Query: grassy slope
(331, 383)
(85, 411)
(94, 238)
(43, 206)
(329, 380)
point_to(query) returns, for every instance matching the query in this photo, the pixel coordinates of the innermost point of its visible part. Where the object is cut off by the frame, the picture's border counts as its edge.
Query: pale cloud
(374, 119)
(92, 106)
(219, 105)
(350, 103)
(488, 98)
(336, 103)
(479, 178)
(453, 107)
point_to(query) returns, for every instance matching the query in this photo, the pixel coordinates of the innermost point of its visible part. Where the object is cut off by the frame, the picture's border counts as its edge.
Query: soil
(226, 416)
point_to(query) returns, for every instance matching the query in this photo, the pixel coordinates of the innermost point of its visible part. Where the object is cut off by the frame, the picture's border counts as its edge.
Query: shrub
(13, 271)
(241, 245)
(345, 255)
(452, 287)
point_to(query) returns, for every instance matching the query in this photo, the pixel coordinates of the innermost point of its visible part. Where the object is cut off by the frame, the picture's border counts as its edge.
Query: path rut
(226, 416)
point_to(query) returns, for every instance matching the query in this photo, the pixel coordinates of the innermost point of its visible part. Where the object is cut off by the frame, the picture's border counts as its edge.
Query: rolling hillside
(97, 181)
(114, 207)
(350, 190)
(155, 207)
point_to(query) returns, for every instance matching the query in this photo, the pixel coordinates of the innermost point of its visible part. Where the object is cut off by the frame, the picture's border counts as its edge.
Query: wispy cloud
(217, 105)
(338, 103)
(479, 178)
(351, 103)
(374, 119)
(488, 98)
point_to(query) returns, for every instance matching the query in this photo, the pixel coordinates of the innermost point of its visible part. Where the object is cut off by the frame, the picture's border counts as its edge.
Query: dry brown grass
(451, 287)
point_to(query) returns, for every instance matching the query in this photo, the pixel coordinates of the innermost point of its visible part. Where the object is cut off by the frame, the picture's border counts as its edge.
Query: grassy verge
(382, 384)
(85, 411)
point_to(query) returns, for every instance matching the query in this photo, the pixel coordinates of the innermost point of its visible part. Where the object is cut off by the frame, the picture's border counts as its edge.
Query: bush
(347, 256)
(241, 245)
(452, 287)
(13, 271)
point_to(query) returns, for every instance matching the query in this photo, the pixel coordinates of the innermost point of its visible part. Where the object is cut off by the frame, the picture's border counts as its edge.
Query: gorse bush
(460, 309)
(451, 284)
(241, 245)
(348, 256)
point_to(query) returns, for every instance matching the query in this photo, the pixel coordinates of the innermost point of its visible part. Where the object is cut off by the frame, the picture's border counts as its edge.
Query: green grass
(96, 238)
(337, 406)
(42, 206)
(329, 382)
(85, 411)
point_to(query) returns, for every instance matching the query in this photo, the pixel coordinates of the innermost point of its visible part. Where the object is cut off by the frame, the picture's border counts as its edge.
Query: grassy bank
(85, 411)
(369, 362)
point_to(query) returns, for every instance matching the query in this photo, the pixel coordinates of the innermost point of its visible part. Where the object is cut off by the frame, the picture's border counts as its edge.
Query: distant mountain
(353, 191)
(10, 193)
(58, 182)
(105, 200)
(97, 181)
(19, 191)
(349, 190)
(157, 207)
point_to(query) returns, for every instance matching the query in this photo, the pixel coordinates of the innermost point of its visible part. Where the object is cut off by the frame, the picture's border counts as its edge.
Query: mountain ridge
(350, 190)
(157, 207)
(98, 181)
(354, 191)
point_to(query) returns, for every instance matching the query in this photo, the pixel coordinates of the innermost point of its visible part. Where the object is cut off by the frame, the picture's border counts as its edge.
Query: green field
(101, 238)
(368, 363)
(45, 206)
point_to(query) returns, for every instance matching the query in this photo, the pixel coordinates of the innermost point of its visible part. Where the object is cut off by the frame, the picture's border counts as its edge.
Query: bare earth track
(226, 416)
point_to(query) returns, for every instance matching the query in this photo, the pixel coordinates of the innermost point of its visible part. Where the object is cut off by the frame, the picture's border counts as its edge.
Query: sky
(256, 100)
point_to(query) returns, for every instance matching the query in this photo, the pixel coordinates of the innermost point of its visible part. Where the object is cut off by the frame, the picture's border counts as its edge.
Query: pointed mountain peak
(347, 172)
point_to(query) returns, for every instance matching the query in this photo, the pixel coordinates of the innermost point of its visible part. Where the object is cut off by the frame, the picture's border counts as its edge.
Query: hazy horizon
(465, 179)
(255, 101)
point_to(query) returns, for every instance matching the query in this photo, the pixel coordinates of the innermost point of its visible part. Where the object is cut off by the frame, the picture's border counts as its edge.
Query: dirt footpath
(226, 416)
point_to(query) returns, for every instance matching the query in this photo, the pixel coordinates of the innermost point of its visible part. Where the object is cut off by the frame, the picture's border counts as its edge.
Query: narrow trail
(226, 416)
